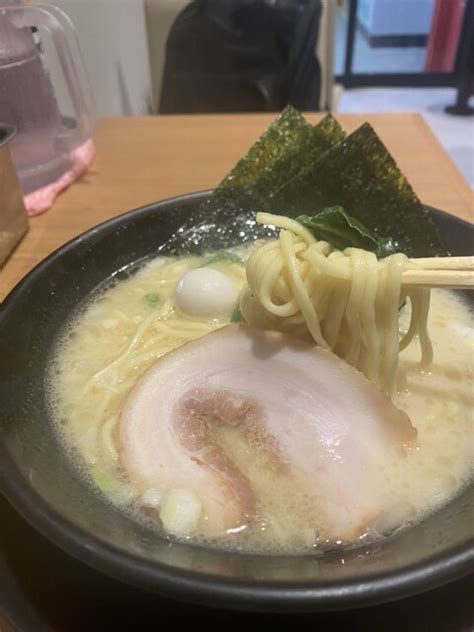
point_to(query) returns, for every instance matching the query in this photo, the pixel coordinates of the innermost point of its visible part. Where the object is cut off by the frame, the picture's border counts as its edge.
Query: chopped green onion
(237, 316)
(152, 298)
(104, 481)
(224, 257)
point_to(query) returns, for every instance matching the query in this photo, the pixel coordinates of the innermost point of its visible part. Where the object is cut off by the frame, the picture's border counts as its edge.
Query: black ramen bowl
(42, 484)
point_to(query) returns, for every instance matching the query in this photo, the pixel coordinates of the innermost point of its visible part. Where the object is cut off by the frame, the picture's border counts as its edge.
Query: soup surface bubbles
(132, 322)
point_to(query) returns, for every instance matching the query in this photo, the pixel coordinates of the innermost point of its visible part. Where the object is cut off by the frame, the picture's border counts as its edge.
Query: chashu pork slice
(322, 419)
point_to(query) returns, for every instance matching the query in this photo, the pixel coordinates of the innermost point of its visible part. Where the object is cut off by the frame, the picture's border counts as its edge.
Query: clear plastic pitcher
(42, 146)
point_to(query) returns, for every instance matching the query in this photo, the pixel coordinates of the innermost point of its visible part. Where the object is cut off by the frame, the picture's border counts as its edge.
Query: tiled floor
(455, 133)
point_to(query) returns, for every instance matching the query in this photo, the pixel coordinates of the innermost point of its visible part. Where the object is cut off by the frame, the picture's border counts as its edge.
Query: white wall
(113, 40)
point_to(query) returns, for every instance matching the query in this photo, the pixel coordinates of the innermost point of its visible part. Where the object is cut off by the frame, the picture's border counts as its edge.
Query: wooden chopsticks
(441, 272)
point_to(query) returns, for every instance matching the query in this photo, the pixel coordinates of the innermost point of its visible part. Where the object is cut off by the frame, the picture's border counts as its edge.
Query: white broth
(133, 322)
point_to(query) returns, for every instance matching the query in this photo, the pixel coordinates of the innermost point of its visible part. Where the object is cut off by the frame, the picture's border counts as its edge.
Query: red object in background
(444, 35)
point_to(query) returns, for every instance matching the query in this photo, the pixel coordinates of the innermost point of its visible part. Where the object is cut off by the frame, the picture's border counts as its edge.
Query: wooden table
(140, 160)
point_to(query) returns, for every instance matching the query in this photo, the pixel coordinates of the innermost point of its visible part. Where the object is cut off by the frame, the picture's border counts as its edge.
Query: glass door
(403, 42)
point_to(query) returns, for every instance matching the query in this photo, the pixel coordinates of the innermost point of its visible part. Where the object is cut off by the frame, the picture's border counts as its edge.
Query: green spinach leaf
(334, 225)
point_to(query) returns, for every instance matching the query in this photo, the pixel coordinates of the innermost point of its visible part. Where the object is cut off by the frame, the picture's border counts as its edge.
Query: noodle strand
(345, 300)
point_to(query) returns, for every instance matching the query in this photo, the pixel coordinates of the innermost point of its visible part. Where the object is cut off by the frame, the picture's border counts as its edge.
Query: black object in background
(242, 56)
(465, 64)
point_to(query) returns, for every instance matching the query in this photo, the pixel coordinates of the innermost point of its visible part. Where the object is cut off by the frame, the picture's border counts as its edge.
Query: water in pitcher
(42, 145)
(27, 101)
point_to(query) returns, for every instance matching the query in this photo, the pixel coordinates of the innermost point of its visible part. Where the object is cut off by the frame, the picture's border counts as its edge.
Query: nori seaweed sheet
(284, 134)
(264, 170)
(218, 222)
(227, 217)
(360, 175)
(298, 157)
(294, 168)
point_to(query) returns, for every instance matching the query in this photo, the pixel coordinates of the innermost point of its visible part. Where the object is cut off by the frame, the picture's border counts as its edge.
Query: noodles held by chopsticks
(346, 300)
